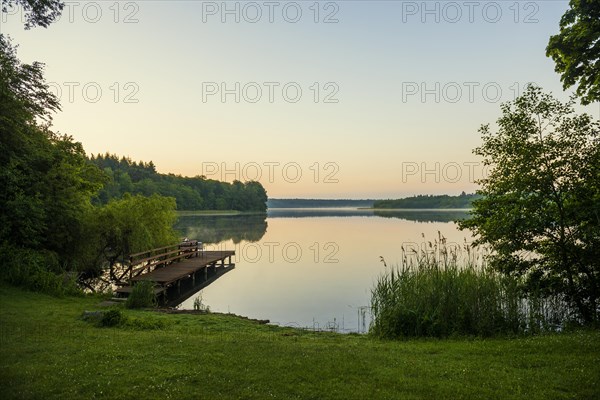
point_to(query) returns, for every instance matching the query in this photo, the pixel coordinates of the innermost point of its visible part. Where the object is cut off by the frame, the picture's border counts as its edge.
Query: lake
(311, 268)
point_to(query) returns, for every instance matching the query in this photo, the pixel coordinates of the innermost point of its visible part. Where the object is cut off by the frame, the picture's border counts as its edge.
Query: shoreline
(200, 213)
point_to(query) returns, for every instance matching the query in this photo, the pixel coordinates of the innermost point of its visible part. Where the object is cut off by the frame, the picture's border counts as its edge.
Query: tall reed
(439, 290)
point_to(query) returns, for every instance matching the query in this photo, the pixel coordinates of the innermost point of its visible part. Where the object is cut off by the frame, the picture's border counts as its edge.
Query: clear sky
(341, 99)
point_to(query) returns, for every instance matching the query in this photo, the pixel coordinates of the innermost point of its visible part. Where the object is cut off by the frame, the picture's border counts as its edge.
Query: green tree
(46, 182)
(128, 225)
(45, 179)
(66, 186)
(540, 209)
(24, 95)
(47, 222)
(576, 49)
(191, 193)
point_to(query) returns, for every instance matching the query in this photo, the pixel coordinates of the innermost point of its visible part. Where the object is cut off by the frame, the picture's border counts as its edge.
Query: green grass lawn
(48, 352)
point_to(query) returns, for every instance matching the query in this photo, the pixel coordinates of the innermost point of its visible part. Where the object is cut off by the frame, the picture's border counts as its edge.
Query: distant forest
(429, 201)
(318, 203)
(197, 193)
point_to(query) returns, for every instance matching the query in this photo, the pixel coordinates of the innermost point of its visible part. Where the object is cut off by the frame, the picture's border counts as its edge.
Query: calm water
(311, 268)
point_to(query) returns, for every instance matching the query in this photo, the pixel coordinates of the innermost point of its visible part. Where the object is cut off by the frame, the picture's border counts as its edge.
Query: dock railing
(148, 260)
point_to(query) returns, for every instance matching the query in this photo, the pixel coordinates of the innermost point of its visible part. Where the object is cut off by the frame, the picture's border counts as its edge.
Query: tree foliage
(48, 225)
(576, 49)
(37, 12)
(540, 209)
(24, 94)
(45, 179)
(126, 226)
(197, 193)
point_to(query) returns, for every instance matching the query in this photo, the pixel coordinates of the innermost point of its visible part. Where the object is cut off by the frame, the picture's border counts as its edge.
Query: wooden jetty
(172, 267)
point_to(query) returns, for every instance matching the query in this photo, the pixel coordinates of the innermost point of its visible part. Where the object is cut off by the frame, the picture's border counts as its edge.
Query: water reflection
(312, 268)
(211, 229)
(178, 294)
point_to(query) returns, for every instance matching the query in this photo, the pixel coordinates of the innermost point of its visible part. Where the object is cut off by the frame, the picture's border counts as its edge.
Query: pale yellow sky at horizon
(351, 100)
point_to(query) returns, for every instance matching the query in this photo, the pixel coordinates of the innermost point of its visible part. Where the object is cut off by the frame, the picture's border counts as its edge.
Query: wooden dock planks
(184, 268)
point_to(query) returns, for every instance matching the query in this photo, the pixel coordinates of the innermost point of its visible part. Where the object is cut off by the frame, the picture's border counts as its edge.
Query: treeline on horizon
(318, 203)
(463, 200)
(190, 193)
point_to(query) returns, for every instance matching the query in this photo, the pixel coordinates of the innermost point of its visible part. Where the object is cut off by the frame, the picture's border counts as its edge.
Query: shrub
(108, 318)
(142, 295)
(112, 317)
(36, 270)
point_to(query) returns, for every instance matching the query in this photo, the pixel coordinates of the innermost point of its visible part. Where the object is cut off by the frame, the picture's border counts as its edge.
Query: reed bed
(443, 290)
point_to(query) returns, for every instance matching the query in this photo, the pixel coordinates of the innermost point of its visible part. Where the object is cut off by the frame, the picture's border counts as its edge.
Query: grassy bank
(47, 351)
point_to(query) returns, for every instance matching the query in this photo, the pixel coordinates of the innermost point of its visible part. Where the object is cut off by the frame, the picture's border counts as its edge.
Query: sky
(314, 99)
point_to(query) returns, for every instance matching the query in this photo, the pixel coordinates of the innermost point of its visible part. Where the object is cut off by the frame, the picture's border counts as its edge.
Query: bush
(36, 270)
(112, 318)
(142, 295)
(117, 318)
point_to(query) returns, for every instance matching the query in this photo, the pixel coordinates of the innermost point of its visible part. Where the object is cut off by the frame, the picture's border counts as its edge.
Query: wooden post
(130, 267)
